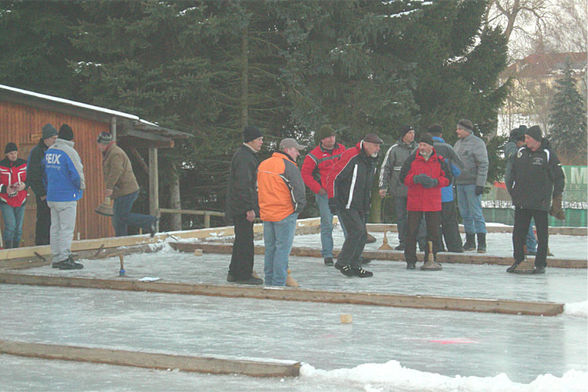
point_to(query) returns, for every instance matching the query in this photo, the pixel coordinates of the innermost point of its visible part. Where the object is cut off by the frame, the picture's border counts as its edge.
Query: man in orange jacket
(282, 197)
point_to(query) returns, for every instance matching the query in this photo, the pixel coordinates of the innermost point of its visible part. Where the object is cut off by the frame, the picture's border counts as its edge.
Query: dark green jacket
(36, 169)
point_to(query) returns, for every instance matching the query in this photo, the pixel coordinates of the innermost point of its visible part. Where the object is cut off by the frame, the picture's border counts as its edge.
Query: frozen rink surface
(384, 349)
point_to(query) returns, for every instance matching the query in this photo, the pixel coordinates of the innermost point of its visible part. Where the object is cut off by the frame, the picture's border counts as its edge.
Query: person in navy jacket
(65, 186)
(424, 173)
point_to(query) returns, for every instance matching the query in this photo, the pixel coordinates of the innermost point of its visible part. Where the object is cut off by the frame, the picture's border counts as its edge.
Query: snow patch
(391, 376)
(576, 309)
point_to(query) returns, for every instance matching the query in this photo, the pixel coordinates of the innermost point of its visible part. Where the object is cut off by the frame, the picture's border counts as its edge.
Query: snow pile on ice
(391, 376)
(577, 309)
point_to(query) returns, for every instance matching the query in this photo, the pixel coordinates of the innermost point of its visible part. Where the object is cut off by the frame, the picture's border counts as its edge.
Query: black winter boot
(470, 243)
(481, 242)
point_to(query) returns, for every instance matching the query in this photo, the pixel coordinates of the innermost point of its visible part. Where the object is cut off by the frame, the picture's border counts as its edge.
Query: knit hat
(435, 129)
(466, 124)
(104, 138)
(518, 134)
(251, 133)
(65, 132)
(48, 131)
(405, 129)
(372, 138)
(535, 133)
(10, 147)
(324, 132)
(290, 143)
(426, 138)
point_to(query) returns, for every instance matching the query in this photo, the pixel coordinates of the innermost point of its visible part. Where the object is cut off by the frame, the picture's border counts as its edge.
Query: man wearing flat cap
(424, 173)
(536, 183)
(470, 184)
(317, 164)
(242, 206)
(282, 197)
(349, 186)
(37, 180)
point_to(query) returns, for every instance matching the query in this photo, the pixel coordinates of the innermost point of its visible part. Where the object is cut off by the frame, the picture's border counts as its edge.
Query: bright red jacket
(11, 173)
(419, 197)
(317, 165)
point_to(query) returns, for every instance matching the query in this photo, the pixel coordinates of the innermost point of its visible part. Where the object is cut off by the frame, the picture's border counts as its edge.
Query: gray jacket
(473, 154)
(391, 165)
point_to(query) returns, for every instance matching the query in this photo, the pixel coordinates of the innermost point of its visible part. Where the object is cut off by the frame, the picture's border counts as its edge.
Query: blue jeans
(470, 209)
(278, 238)
(531, 241)
(322, 201)
(123, 217)
(13, 217)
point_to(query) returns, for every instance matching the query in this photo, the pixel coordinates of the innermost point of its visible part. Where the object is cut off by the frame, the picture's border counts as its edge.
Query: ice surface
(384, 349)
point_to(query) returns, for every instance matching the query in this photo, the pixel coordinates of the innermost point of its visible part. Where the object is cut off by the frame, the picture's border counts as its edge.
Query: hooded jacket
(349, 183)
(454, 163)
(281, 189)
(65, 173)
(12, 173)
(535, 177)
(419, 197)
(118, 172)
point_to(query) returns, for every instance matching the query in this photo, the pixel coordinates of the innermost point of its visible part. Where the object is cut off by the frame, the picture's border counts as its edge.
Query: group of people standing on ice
(425, 178)
(54, 172)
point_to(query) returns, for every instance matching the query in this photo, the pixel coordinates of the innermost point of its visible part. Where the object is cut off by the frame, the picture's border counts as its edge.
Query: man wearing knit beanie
(470, 184)
(317, 164)
(536, 183)
(65, 186)
(35, 178)
(13, 195)
(242, 206)
(389, 180)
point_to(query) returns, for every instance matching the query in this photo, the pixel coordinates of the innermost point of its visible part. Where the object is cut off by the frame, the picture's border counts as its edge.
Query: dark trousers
(432, 219)
(354, 222)
(522, 220)
(123, 217)
(241, 265)
(449, 227)
(401, 214)
(43, 224)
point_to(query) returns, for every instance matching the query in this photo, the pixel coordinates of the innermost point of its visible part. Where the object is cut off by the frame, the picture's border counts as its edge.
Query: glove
(556, 211)
(333, 206)
(479, 190)
(418, 179)
(429, 182)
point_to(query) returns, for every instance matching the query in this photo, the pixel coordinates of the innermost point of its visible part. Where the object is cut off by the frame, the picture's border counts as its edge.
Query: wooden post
(153, 183)
(206, 220)
(113, 128)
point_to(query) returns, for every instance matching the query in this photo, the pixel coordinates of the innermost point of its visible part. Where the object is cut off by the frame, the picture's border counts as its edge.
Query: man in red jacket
(315, 168)
(13, 194)
(424, 173)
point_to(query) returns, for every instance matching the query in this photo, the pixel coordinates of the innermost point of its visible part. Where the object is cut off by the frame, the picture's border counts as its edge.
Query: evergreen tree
(567, 118)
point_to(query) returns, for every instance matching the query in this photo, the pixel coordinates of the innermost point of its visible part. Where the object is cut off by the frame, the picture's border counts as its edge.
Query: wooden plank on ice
(459, 258)
(142, 359)
(303, 295)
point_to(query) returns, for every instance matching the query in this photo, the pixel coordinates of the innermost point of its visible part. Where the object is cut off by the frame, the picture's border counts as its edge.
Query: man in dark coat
(37, 181)
(536, 183)
(349, 186)
(242, 206)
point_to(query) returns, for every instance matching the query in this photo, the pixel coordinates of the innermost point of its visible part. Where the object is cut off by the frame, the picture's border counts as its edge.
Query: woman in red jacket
(13, 172)
(424, 173)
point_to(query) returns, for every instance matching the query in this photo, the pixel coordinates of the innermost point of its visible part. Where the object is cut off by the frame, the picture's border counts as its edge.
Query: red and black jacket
(317, 165)
(12, 173)
(419, 197)
(349, 183)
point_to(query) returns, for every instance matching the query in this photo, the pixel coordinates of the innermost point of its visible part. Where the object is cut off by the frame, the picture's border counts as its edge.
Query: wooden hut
(22, 116)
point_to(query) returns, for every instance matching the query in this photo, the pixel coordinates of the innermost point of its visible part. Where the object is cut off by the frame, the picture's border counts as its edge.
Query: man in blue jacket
(65, 185)
(449, 226)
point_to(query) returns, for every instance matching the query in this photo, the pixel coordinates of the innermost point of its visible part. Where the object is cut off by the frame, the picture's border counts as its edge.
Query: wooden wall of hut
(22, 125)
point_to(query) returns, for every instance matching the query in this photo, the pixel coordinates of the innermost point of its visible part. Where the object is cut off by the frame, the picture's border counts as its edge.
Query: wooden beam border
(301, 295)
(142, 359)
